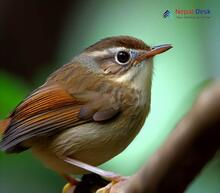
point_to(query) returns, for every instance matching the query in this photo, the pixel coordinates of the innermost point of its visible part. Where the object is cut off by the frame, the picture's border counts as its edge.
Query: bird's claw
(93, 182)
(116, 186)
(69, 188)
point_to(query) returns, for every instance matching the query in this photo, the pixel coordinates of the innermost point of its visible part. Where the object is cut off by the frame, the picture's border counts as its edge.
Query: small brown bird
(89, 110)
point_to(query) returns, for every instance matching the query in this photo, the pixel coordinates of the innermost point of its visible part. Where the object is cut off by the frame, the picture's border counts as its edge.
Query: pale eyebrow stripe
(101, 53)
(106, 51)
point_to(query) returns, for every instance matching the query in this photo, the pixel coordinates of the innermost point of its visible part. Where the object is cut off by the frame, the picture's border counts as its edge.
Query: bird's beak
(154, 51)
(158, 49)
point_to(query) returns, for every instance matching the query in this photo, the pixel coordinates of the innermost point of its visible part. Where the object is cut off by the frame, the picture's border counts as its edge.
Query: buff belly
(90, 143)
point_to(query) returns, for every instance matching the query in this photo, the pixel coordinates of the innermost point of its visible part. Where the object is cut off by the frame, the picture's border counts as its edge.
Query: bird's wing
(51, 109)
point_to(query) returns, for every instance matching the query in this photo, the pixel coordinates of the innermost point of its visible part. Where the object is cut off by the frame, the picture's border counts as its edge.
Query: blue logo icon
(166, 14)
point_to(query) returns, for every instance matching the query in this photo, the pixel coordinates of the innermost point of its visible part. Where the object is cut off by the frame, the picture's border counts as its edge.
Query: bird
(89, 110)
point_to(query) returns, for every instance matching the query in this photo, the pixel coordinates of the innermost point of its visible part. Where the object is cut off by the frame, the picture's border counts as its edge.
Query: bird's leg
(108, 175)
(114, 178)
(70, 179)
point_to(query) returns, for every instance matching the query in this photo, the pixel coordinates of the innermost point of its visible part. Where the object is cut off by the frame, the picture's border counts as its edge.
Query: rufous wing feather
(49, 110)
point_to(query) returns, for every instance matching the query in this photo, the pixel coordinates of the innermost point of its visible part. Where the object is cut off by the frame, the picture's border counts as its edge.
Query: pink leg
(106, 174)
(70, 179)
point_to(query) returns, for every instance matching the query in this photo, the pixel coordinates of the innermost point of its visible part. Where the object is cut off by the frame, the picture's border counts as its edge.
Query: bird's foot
(114, 180)
(69, 188)
(95, 183)
(71, 185)
(115, 186)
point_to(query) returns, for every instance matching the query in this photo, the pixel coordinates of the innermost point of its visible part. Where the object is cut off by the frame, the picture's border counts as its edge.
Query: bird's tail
(4, 125)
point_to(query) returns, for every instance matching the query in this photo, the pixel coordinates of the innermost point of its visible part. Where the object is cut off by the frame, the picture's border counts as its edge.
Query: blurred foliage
(13, 90)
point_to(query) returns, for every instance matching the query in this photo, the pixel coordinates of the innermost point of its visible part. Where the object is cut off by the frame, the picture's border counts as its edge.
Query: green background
(178, 75)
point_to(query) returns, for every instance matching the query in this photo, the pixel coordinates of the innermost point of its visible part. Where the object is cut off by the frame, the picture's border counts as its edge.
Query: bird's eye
(122, 57)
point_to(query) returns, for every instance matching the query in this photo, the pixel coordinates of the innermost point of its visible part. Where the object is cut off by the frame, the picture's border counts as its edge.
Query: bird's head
(123, 59)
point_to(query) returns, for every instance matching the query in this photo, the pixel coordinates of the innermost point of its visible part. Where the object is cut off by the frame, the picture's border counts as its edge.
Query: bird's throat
(138, 77)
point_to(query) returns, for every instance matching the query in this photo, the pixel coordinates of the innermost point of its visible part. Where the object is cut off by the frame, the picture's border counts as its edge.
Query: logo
(188, 13)
(166, 14)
